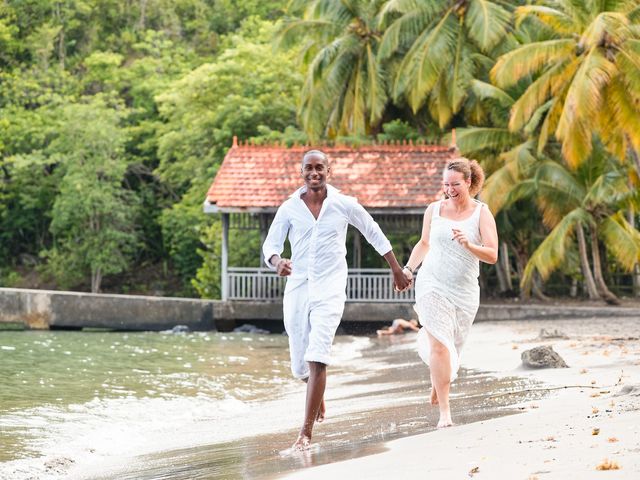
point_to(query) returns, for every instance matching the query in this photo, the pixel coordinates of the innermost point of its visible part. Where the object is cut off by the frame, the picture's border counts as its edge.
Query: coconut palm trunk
(608, 296)
(503, 271)
(589, 281)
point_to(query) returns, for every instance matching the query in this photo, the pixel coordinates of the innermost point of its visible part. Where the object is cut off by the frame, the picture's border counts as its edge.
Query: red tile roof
(382, 177)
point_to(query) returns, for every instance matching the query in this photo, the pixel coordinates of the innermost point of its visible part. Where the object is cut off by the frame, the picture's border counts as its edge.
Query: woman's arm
(488, 250)
(422, 247)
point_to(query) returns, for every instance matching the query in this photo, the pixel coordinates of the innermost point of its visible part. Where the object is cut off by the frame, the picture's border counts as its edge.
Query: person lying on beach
(315, 218)
(399, 325)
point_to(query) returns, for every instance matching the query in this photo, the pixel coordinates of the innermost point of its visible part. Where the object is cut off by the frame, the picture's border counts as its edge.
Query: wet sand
(587, 426)
(379, 398)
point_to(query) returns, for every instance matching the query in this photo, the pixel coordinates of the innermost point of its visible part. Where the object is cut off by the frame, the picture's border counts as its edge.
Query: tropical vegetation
(115, 116)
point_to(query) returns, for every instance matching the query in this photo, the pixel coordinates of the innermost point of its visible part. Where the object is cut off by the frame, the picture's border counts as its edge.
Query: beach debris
(607, 464)
(542, 357)
(58, 465)
(551, 334)
(178, 329)
(629, 390)
(612, 439)
(594, 410)
(595, 431)
(474, 469)
(514, 347)
(248, 328)
(584, 370)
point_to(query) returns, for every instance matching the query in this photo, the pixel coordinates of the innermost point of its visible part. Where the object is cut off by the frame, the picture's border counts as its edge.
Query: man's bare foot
(445, 420)
(434, 396)
(301, 444)
(321, 412)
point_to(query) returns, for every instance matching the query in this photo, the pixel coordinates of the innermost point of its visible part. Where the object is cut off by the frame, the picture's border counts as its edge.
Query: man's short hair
(315, 153)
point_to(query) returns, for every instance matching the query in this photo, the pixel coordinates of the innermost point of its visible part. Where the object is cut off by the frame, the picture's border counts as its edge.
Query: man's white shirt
(318, 246)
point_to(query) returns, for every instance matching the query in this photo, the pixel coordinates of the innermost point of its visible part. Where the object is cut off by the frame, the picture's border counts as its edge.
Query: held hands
(402, 280)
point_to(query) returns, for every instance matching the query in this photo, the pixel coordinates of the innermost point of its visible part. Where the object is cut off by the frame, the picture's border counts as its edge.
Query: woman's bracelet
(410, 269)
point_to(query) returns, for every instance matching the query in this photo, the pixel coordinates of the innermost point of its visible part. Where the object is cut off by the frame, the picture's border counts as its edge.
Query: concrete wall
(52, 309)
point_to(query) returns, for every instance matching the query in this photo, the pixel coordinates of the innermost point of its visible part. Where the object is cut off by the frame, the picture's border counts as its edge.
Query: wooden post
(357, 249)
(225, 256)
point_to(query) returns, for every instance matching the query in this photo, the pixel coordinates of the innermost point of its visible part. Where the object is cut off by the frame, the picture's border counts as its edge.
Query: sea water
(152, 405)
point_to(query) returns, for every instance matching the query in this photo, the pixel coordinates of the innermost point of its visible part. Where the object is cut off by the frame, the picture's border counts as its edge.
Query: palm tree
(345, 90)
(594, 197)
(586, 73)
(440, 46)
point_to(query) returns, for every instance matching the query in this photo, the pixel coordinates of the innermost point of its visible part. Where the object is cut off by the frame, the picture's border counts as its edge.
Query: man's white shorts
(311, 324)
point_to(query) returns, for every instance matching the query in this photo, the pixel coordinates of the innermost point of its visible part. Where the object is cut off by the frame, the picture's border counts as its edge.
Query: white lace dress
(447, 290)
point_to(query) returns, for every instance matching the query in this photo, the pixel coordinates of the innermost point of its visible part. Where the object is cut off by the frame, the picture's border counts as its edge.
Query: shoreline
(589, 420)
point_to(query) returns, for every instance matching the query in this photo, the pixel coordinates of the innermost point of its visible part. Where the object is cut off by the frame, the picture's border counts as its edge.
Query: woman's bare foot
(301, 444)
(434, 396)
(321, 412)
(445, 419)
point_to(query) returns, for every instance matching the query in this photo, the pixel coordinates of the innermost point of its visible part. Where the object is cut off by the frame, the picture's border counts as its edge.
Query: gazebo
(393, 181)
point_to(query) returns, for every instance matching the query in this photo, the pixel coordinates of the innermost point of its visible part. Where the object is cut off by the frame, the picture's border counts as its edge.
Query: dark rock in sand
(542, 357)
(180, 329)
(248, 328)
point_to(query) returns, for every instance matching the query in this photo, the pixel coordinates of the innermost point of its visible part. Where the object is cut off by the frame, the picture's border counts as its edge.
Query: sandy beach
(588, 426)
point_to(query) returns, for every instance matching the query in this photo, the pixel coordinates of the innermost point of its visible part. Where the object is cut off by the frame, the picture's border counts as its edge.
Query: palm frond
(291, 31)
(545, 86)
(439, 105)
(550, 122)
(486, 91)
(584, 95)
(460, 76)
(552, 252)
(622, 240)
(430, 54)
(405, 6)
(555, 19)
(607, 25)
(628, 62)
(487, 23)
(472, 140)
(376, 88)
(496, 189)
(402, 32)
(537, 117)
(558, 191)
(529, 59)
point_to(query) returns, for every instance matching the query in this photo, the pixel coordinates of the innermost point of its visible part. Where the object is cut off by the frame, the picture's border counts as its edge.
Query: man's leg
(316, 384)
(324, 318)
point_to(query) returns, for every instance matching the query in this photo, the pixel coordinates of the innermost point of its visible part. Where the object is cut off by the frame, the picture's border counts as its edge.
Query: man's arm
(274, 244)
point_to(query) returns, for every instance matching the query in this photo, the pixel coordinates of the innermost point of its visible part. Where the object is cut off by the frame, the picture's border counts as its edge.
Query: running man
(316, 218)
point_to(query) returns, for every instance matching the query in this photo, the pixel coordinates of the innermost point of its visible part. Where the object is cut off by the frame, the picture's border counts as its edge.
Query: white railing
(363, 285)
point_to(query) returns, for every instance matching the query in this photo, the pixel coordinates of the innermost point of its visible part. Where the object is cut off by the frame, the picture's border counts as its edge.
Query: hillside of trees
(115, 115)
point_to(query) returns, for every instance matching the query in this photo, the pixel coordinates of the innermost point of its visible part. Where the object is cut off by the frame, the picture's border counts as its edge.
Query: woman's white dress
(447, 290)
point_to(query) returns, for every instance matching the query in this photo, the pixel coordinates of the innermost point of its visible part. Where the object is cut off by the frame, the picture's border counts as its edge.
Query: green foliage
(93, 216)
(398, 130)
(115, 116)
(247, 89)
(245, 250)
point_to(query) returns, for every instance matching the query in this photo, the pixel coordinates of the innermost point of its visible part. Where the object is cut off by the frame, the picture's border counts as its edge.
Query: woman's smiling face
(455, 186)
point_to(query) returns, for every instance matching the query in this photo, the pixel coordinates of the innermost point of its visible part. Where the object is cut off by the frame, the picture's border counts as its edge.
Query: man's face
(315, 171)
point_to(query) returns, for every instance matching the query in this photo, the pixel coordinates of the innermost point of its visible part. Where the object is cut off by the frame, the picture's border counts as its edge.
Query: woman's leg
(440, 367)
